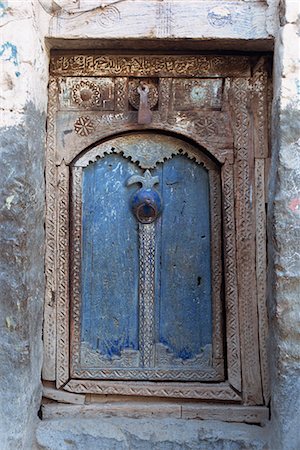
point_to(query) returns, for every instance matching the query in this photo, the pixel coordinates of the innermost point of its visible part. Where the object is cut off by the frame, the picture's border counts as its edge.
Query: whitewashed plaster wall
(23, 100)
(28, 30)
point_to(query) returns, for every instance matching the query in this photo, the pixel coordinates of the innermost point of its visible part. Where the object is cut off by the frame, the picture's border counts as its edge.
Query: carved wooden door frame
(233, 135)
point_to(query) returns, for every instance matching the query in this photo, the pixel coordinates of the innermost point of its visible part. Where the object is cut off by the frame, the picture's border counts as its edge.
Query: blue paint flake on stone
(3, 9)
(9, 52)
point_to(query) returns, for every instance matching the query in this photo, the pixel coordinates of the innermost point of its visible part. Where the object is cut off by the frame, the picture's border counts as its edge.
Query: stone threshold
(152, 433)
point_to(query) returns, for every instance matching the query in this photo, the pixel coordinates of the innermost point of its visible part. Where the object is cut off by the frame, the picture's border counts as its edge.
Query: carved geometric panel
(191, 94)
(88, 93)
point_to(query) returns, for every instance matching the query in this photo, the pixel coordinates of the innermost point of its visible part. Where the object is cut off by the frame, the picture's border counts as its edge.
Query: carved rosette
(86, 94)
(108, 15)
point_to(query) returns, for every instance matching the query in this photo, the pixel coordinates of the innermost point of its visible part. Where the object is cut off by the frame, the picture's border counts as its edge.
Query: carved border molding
(75, 298)
(209, 374)
(49, 331)
(162, 66)
(147, 238)
(245, 238)
(212, 392)
(216, 266)
(62, 344)
(230, 272)
(261, 273)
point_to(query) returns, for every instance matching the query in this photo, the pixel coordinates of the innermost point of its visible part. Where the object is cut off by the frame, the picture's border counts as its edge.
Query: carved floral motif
(84, 126)
(108, 15)
(86, 94)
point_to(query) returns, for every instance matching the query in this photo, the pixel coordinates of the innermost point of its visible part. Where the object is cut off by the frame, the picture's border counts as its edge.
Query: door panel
(109, 264)
(185, 319)
(146, 294)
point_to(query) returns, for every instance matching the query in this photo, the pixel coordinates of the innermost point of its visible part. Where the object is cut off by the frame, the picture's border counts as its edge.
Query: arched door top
(146, 149)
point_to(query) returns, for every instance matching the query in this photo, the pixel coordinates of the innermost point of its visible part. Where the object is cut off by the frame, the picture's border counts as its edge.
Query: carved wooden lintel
(143, 66)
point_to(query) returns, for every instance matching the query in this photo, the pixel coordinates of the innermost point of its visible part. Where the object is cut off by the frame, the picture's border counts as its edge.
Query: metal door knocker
(146, 203)
(144, 112)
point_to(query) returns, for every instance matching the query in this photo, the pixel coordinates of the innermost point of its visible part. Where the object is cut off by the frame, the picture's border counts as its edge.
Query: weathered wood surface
(260, 94)
(227, 413)
(208, 129)
(63, 396)
(157, 19)
(123, 409)
(185, 304)
(232, 413)
(261, 274)
(110, 264)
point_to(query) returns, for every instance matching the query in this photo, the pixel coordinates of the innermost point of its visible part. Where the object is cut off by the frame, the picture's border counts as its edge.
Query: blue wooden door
(146, 288)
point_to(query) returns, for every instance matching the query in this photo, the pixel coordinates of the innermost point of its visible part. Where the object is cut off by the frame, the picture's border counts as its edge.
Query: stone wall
(284, 232)
(229, 25)
(23, 92)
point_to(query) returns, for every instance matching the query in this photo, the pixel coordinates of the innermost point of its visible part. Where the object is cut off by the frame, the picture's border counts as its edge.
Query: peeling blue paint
(9, 52)
(3, 8)
(298, 87)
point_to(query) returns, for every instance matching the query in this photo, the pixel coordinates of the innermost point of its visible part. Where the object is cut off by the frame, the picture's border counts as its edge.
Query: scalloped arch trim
(146, 150)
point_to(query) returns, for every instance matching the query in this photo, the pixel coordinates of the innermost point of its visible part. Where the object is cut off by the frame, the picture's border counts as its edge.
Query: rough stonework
(148, 434)
(284, 229)
(29, 29)
(22, 199)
